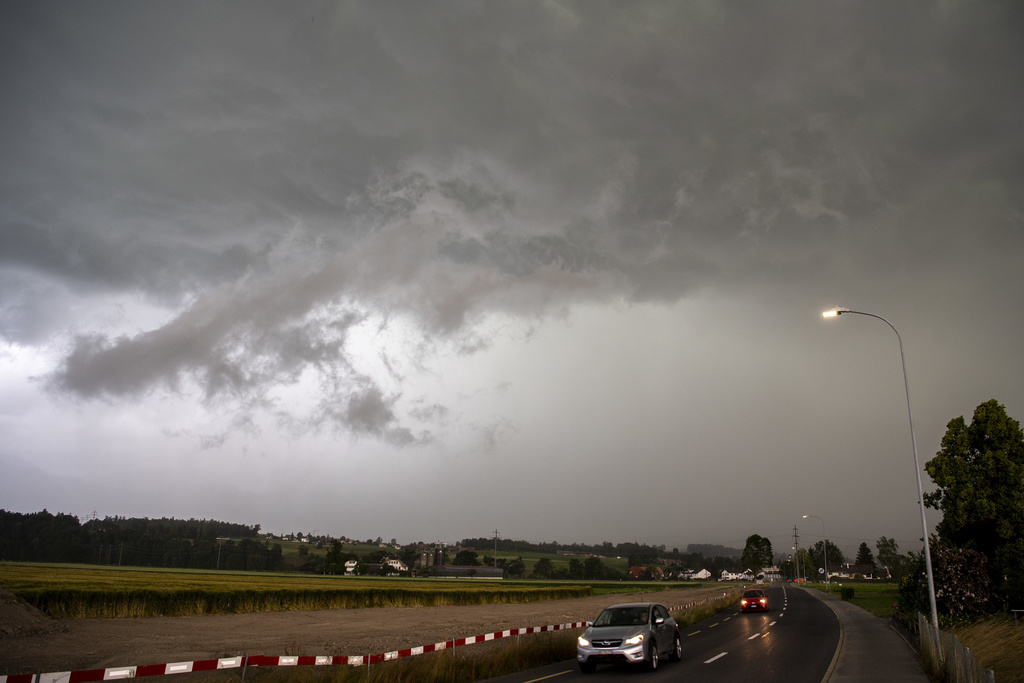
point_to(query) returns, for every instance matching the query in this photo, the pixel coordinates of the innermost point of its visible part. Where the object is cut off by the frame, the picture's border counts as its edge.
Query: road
(793, 643)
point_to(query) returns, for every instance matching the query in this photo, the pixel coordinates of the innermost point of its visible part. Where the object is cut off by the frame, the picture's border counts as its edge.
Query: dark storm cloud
(272, 176)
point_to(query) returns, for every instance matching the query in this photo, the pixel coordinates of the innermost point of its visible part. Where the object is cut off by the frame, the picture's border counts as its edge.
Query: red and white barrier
(118, 673)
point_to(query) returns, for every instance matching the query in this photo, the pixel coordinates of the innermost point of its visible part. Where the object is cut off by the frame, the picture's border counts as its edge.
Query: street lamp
(835, 312)
(824, 547)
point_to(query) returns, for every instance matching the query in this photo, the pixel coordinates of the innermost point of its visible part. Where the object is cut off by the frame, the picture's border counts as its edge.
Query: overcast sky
(427, 270)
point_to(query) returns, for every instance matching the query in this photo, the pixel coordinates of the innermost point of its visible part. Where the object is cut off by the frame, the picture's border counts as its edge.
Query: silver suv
(634, 633)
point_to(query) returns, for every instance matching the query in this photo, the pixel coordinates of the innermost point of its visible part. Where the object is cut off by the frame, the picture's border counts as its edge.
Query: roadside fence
(943, 657)
(946, 658)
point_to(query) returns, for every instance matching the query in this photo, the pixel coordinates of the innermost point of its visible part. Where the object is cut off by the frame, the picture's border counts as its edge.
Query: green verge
(876, 597)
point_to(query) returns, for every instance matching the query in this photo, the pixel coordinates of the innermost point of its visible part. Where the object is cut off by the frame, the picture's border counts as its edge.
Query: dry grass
(996, 643)
(699, 613)
(463, 665)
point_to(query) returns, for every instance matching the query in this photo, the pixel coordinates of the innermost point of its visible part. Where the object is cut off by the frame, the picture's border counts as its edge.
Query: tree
(864, 556)
(979, 475)
(822, 551)
(757, 553)
(575, 568)
(963, 590)
(516, 568)
(335, 560)
(466, 558)
(889, 556)
(593, 568)
(788, 569)
(544, 568)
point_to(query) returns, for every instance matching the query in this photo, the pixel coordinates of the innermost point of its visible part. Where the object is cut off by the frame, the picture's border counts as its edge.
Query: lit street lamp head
(834, 312)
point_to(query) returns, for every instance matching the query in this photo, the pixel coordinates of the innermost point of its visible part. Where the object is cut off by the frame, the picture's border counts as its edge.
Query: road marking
(772, 624)
(756, 635)
(713, 625)
(544, 678)
(693, 634)
(718, 656)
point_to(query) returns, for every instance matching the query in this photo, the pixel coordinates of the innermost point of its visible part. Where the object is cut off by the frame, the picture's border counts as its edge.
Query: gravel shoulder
(30, 642)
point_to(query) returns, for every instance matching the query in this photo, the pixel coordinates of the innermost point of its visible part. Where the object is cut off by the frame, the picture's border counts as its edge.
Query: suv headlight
(583, 642)
(635, 640)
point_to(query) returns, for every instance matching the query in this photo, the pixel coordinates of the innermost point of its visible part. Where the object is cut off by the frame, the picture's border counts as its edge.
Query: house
(699, 575)
(350, 566)
(396, 564)
(638, 572)
(849, 571)
(745, 575)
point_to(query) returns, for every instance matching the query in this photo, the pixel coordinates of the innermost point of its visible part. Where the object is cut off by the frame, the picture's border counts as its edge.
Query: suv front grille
(606, 643)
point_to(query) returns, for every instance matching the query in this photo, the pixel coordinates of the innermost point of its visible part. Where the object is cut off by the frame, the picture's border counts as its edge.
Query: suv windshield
(622, 616)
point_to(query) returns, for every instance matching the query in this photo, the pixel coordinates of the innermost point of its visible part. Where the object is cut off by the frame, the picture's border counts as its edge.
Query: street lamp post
(824, 548)
(917, 466)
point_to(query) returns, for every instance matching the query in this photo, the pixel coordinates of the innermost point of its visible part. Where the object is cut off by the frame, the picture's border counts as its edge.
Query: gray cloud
(580, 161)
(335, 221)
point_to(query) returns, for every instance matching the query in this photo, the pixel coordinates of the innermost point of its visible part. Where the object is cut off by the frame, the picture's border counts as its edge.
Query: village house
(736, 576)
(691, 575)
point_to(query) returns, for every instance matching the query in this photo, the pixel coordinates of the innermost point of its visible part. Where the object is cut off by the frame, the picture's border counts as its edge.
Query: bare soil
(31, 642)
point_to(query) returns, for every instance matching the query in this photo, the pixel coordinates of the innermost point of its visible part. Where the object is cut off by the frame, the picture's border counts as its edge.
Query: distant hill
(712, 550)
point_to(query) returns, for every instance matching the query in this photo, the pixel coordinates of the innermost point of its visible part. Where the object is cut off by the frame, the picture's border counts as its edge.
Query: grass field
(75, 591)
(996, 643)
(875, 597)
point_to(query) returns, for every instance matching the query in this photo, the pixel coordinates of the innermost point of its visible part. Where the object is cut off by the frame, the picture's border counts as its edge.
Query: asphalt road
(792, 643)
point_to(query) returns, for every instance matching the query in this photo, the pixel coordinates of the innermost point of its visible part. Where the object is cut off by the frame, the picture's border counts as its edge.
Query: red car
(754, 600)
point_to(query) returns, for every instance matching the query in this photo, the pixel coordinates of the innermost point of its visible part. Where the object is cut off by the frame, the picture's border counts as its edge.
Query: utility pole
(495, 548)
(796, 549)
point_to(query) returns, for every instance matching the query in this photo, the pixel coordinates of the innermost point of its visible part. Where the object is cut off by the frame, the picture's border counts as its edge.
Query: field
(875, 597)
(68, 591)
(42, 644)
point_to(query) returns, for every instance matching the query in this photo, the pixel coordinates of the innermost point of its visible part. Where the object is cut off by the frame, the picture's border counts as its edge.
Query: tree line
(178, 543)
(636, 554)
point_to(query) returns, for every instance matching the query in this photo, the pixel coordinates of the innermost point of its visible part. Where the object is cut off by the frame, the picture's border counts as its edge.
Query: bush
(846, 593)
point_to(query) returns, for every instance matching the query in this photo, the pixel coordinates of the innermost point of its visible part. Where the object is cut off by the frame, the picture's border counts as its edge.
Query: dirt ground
(31, 642)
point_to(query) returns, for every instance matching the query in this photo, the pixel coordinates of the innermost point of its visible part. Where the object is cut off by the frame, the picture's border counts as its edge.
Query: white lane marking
(718, 656)
(772, 624)
(756, 635)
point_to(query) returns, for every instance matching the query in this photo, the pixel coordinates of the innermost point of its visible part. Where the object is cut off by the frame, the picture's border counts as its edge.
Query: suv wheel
(677, 650)
(652, 656)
